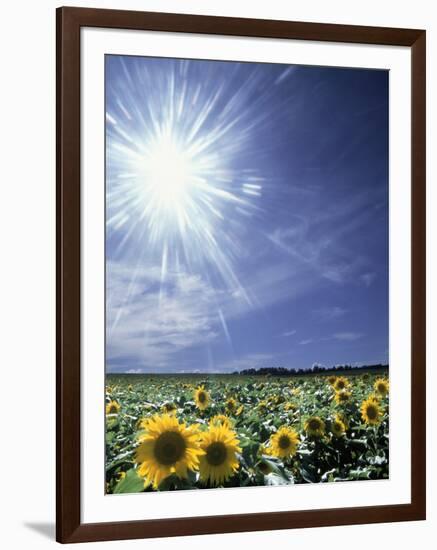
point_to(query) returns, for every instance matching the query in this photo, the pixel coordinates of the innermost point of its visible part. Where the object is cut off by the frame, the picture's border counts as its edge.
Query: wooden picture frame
(68, 521)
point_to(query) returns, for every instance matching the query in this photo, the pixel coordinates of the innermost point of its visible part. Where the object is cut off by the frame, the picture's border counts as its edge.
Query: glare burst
(180, 170)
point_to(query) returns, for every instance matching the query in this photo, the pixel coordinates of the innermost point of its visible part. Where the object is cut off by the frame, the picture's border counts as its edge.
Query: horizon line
(256, 370)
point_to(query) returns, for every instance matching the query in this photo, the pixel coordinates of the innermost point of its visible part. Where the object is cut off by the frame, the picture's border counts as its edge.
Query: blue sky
(247, 215)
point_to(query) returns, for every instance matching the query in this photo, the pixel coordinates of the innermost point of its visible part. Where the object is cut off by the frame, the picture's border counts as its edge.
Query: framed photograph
(240, 274)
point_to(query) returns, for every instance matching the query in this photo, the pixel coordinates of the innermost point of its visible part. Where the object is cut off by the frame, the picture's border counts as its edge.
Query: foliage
(356, 451)
(315, 369)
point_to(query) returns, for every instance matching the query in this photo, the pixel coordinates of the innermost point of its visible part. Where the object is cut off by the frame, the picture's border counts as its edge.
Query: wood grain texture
(69, 23)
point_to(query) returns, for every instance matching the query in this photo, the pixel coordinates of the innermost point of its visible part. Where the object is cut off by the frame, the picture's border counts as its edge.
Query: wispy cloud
(319, 240)
(151, 323)
(368, 278)
(289, 333)
(341, 336)
(271, 282)
(306, 342)
(320, 255)
(347, 336)
(329, 313)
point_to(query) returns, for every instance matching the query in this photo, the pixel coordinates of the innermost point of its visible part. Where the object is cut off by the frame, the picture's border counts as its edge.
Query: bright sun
(183, 182)
(169, 172)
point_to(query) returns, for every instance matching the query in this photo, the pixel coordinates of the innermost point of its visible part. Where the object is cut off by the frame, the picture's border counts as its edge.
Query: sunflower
(167, 447)
(231, 404)
(341, 383)
(284, 442)
(342, 397)
(142, 423)
(239, 410)
(168, 407)
(221, 420)
(202, 399)
(219, 461)
(338, 427)
(290, 406)
(314, 426)
(263, 450)
(332, 379)
(343, 418)
(381, 386)
(370, 411)
(113, 407)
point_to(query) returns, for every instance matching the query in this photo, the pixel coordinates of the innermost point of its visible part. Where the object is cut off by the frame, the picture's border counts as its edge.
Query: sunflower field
(170, 432)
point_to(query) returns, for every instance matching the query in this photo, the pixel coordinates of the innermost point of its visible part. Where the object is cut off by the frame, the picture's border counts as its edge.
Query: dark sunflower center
(284, 442)
(169, 448)
(314, 424)
(340, 384)
(113, 408)
(216, 453)
(201, 397)
(372, 413)
(381, 388)
(337, 427)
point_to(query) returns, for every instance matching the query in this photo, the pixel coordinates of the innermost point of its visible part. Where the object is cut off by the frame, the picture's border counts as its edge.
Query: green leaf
(175, 482)
(274, 479)
(271, 464)
(358, 443)
(307, 475)
(131, 483)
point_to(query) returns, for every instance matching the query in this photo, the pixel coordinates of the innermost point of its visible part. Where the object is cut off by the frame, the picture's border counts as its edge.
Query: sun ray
(175, 181)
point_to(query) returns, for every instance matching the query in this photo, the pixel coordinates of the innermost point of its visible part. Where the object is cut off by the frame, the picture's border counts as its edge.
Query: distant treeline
(316, 369)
